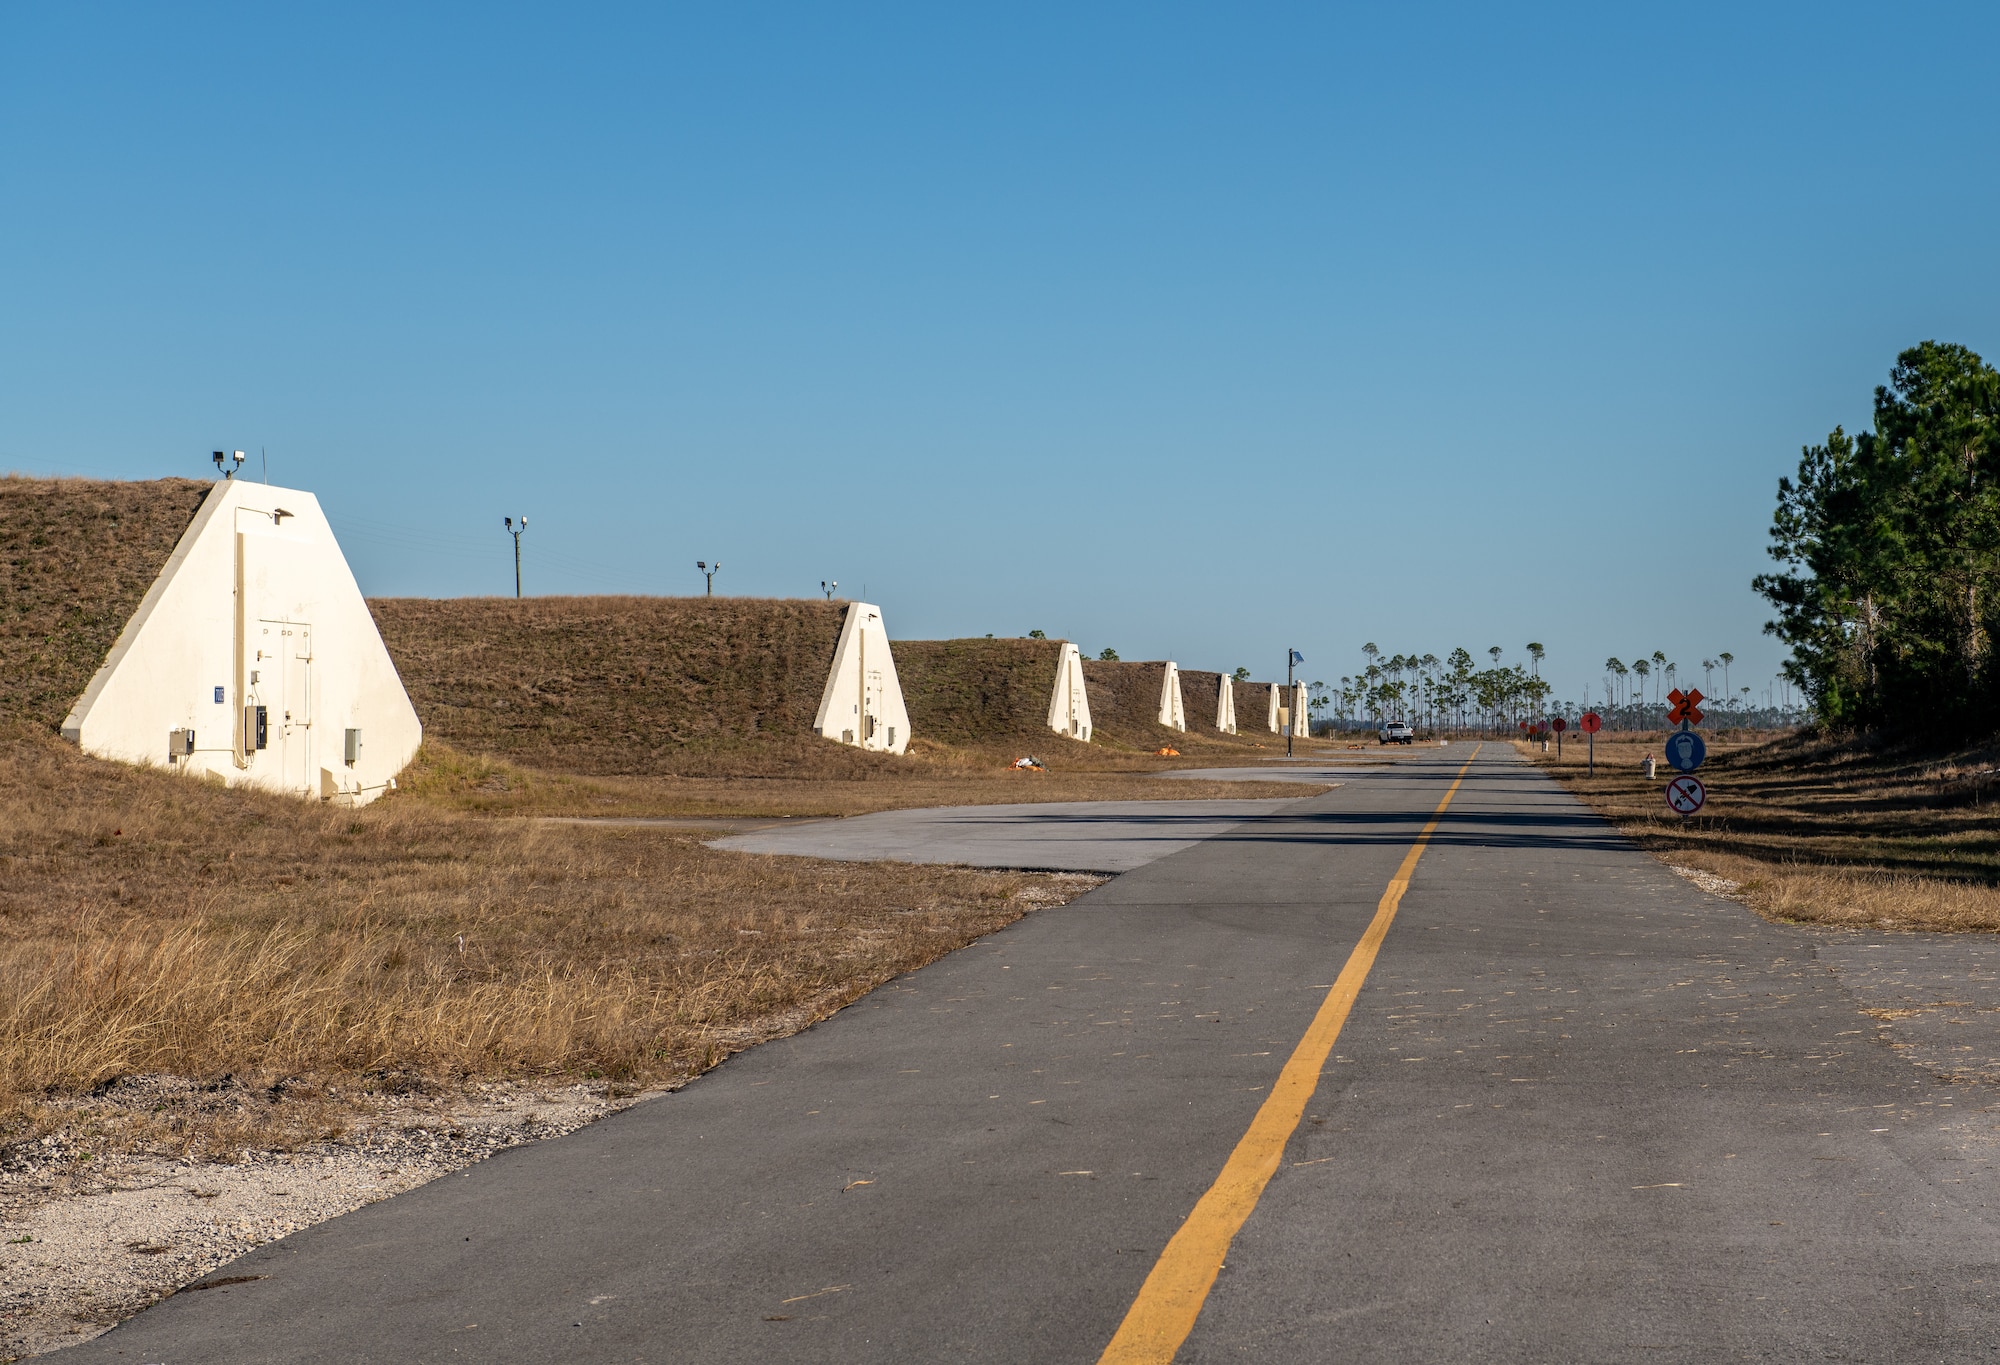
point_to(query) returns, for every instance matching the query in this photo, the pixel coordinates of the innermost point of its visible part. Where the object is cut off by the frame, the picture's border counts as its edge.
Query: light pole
(829, 588)
(1292, 660)
(709, 570)
(515, 531)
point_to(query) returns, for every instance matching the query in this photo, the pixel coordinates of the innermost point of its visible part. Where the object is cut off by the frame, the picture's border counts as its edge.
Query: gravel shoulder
(89, 1239)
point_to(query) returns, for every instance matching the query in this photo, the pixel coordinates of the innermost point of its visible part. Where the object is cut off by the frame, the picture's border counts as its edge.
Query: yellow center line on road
(1170, 1300)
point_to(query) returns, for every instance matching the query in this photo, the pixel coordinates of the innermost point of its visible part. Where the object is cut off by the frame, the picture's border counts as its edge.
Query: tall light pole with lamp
(709, 571)
(515, 531)
(1292, 660)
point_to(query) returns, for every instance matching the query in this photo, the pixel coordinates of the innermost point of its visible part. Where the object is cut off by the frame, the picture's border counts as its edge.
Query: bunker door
(873, 736)
(285, 656)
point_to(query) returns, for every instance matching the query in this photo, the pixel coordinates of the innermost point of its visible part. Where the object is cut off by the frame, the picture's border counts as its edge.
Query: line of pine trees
(1431, 692)
(1890, 547)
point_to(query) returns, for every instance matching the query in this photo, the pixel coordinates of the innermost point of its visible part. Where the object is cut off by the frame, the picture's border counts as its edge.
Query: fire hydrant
(1649, 765)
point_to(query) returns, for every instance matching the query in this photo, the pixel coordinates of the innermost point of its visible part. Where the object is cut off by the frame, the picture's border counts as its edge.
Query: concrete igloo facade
(1173, 710)
(1069, 704)
(253, 659)
(1225, 706)
(862, 704)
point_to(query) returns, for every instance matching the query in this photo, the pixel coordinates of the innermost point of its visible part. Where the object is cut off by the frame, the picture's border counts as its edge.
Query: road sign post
(1591, 723)
(1561, 725)
(1685, 752)
(1292, 660)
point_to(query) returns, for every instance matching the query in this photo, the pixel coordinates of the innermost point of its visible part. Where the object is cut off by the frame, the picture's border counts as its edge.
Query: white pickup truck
(1397, 732)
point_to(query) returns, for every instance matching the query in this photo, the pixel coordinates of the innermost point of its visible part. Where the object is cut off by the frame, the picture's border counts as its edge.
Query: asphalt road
(1580, 1112)
(1054, 836)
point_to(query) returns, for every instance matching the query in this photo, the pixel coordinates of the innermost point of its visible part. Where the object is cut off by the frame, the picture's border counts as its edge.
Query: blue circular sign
(1685, 751)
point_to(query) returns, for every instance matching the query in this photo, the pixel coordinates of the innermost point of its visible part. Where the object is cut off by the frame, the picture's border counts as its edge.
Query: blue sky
(1197, 332)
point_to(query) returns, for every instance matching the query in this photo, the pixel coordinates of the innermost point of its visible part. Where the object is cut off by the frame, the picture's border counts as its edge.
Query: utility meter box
(353, 750)
(256, 728)
(180, 744)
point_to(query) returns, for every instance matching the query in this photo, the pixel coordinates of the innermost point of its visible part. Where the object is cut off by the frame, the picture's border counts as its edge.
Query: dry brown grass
(155, 924)
(1816, 831)
(950, 777)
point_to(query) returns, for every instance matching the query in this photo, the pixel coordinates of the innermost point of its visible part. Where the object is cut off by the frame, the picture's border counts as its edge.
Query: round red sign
(1591, 723)
(1686, 795)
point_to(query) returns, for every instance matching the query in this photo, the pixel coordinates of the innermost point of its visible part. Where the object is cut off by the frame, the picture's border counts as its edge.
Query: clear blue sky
(1197, 332)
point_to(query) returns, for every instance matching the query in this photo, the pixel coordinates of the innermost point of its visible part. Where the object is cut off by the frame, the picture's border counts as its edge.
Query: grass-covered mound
(1125, 704)
(1253, 707)
(616, 685)
(76, 556)
(968, 691)
(1200, 692)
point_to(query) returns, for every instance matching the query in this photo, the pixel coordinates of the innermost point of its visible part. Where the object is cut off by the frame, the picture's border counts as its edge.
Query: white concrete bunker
(1069, 704)
(1173, 711)
(253, 658)
(862, 704)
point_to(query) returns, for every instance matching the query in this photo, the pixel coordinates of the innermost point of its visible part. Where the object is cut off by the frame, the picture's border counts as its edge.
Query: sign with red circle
(1561, 724)
(1686, 795)
(1591, 723)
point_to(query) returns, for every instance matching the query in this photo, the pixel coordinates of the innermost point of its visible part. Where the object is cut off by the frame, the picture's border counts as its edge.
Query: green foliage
(1890, 547)
(1108, 655)
(1038, 635)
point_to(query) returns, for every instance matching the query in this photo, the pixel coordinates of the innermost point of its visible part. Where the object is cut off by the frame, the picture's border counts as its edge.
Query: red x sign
(1685, 706)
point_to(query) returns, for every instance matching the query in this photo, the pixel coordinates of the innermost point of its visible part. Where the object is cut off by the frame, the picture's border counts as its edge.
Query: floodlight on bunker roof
(829, 588)
(219, 458)
(239, 459)
(709, 570)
